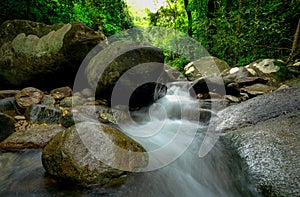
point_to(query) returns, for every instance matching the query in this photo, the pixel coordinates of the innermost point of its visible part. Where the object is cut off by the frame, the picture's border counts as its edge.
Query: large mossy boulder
(122, 67)
(91, 153)
(265, 132)
(33, 54)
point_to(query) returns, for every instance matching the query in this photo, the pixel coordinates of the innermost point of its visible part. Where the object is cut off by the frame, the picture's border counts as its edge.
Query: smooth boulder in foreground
(265, 133)
(92, 153)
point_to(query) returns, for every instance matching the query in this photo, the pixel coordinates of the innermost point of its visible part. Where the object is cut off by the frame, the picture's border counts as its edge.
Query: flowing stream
(171, 132)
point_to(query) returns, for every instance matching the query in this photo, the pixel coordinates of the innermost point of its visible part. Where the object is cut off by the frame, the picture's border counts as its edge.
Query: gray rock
(87, 92)
(9, 106)
(271, 150)
(265, 132)
(84, 113)
(67, 120)
(257, 89)
(43, 114)
(206, 66)
(274, 70)
(173, 73)
(258, 109)
(236, 73)
(91, 153)
(7, 126)
(66, 102)
(34, 137)
(29, 96)
(43, 56)
(247, 81)
(267, 65)
(208, 84)
(122, 67)
(48, 100)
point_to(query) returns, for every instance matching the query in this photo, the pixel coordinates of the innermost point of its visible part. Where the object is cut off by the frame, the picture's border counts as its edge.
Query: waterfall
(171, 132)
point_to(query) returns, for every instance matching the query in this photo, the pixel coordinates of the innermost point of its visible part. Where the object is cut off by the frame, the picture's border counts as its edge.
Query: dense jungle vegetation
(238, 32)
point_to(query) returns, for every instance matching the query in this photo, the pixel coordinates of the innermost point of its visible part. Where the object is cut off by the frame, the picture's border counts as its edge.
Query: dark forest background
(238, 32)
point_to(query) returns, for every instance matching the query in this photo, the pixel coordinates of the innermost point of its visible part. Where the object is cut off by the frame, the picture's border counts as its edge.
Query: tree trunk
(295, 43)
(238, 32)
(189, 16)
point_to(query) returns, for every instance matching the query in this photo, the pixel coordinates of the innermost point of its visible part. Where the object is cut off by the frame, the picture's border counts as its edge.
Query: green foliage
(177, 62)
(238, 32)
(107, 16)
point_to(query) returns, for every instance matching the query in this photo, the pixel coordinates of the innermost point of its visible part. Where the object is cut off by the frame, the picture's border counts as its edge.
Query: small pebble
(20, 118)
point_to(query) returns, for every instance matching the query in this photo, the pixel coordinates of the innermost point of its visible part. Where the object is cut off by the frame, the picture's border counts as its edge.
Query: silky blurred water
(217, 174)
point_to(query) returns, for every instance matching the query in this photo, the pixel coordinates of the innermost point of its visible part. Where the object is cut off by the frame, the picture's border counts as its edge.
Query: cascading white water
(173, 122)
(171, 132)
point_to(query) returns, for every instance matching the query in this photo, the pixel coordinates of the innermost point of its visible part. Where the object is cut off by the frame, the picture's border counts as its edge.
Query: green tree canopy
(237, 31)
(107, 16)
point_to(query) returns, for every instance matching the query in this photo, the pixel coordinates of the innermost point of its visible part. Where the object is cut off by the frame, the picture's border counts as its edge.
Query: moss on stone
(49, 44)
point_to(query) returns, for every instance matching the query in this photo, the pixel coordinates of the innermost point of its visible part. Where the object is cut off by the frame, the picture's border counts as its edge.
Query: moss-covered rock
(206, 66)
(122, 67)
(43, 56)
(90, 153)
(34, 137)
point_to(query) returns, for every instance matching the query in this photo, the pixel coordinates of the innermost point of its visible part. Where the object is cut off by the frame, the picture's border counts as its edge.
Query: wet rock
(209, 108)
(34, 137)
(37, 53)
(237, 73)
(9, 106)
(232, 98)
(107, 118)
(84, 113)
(90, 153)
(274, 70)
(271, 150)
(258, 109)
(233, 89)
(144, 95)
(60, 93)
(247, 81)
(267, 65)
(173, 74)
(122, 67)
(43, 114)
(7, 126)
(208, 84)
(76, 100)
(29, 96)
(67, 120)
(8, 93)
(257, 89)
(87, 92)
(91, 111)
(265, 132)
(206, 66)
(48, 100)
(66, 102)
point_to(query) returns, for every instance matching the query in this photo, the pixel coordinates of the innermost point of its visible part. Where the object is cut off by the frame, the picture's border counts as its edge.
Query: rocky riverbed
(253, 110)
